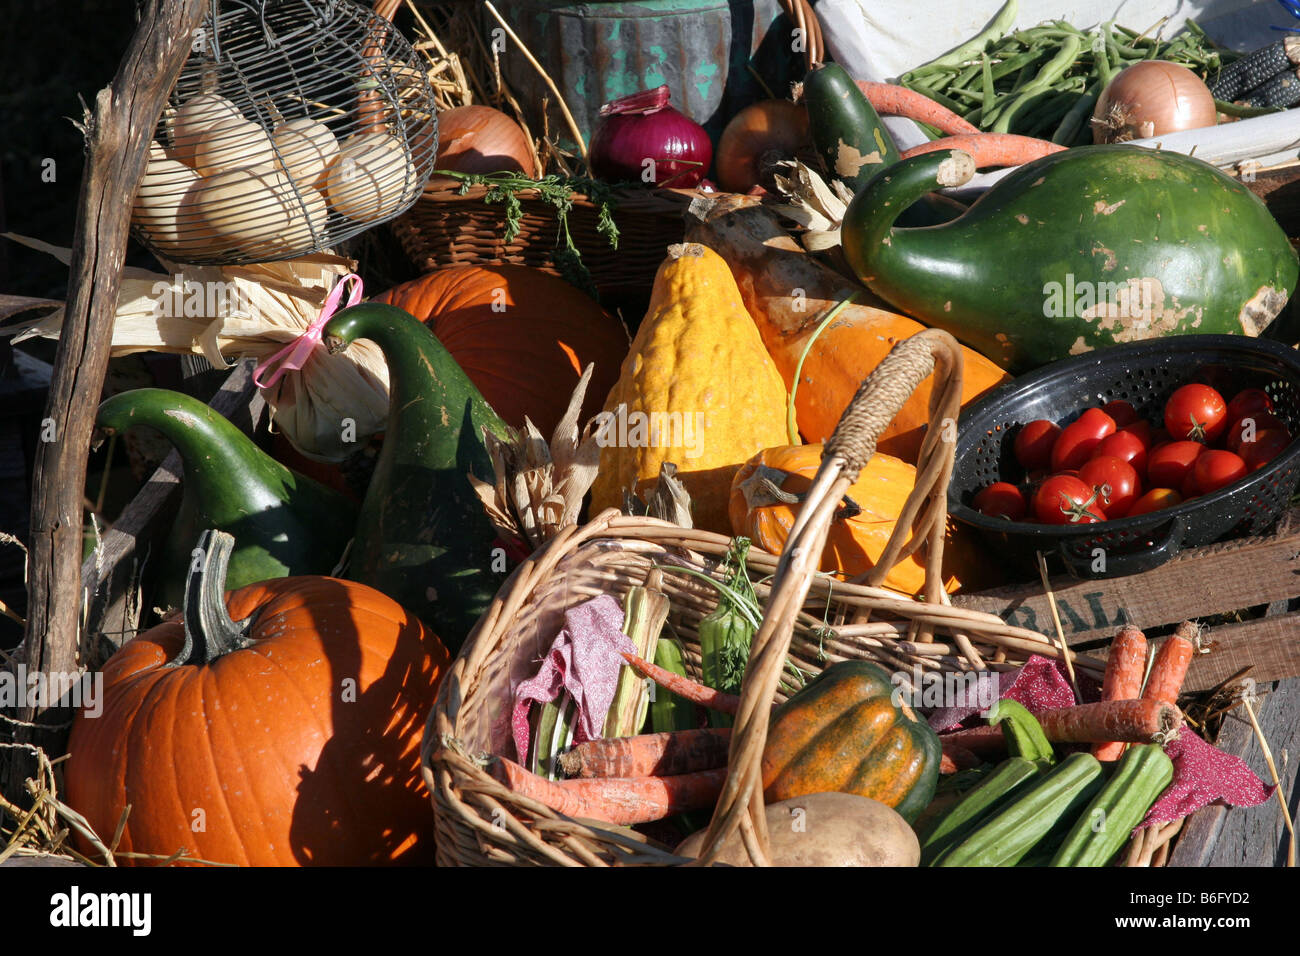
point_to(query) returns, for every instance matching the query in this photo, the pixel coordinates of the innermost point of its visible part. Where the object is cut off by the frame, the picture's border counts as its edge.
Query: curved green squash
(283, 523)
(422, 536)
(843, 732)
(1086, 248)
(849, 136)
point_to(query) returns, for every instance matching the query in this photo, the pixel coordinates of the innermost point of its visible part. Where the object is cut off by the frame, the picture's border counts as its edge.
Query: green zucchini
(422, 536)
(1023, 733)
(1086, 248)
(283, 523)
(976, 806)
(1100, 833)
(1007, 837)
(668, 712)
(846, 130)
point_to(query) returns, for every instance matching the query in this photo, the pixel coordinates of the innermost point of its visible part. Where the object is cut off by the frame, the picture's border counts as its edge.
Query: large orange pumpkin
(522, 336)
(861, 528)
(290, 738)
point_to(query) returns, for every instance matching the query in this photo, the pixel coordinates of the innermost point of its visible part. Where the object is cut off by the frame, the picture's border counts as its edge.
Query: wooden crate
(1255, 579)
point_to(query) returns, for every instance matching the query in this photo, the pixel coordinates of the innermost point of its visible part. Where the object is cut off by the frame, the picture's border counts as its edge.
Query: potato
(826, 829)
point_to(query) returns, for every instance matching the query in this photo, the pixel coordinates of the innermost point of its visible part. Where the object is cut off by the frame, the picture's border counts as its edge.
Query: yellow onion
(758, 136)
(1152, 98)
(479, 139)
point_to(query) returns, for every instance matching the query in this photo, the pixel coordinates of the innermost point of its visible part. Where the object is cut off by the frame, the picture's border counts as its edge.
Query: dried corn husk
(230, 313)
(816, 205)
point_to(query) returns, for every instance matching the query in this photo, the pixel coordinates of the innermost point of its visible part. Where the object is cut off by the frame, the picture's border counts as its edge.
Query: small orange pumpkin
(764, 505)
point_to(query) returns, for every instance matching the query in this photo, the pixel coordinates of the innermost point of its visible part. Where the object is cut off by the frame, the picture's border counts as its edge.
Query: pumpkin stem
(761, 490)
(209, 631)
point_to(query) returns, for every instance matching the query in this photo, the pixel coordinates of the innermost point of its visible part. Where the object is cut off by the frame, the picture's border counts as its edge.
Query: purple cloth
(584, 661)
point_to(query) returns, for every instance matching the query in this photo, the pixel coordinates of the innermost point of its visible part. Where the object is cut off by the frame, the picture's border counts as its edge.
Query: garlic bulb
(232, 144)
(193, 119)
(305, 149)
(368, 178)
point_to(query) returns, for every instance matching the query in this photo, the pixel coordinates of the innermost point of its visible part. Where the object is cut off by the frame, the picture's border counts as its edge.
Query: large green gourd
(1086, 248)
(283, 523)
(422, 536)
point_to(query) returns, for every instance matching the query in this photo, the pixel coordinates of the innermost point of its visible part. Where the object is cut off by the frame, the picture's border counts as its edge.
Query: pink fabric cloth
(1203, 774)
(584, 661)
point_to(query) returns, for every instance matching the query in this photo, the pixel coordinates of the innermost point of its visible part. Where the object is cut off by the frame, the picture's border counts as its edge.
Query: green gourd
(1089, 247)
(283, 523)
(422, 536)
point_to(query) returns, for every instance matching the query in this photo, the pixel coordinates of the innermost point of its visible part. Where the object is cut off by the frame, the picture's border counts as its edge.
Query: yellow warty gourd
(699, 390)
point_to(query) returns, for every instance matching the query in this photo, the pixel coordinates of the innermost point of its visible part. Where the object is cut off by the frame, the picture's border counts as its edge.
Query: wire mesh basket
(294, 125)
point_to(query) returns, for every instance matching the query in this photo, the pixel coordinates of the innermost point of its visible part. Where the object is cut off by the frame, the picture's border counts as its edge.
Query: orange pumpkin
(860, 530)
(290, 738)
(522, 336)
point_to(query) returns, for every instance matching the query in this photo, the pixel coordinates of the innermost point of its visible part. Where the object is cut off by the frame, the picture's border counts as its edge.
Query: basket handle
(878, 400)
(805, 19)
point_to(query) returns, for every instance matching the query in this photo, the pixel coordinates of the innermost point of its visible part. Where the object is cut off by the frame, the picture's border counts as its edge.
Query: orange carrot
(615, 800)
(991, 149)
(1125, 668)
(983, 741)
(1128, 721)
(956, 757)
(891, 100)
(685, 687)
(1170, 666)
(649, 755)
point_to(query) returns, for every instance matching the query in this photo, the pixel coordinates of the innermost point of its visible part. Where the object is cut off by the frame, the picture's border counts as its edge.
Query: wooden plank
(109, 577)
(1251, 836)
(1200, 582)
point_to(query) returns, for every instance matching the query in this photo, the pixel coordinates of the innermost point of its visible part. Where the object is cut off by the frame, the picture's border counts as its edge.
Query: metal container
(596, 52)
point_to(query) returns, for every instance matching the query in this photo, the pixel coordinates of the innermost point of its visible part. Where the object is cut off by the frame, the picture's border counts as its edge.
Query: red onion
(642, 139)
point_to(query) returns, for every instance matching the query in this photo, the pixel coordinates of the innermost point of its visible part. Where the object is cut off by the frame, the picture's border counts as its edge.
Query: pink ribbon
(296, 353)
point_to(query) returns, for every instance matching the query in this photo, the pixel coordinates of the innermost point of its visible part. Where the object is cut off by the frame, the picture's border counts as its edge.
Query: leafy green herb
(558, 192)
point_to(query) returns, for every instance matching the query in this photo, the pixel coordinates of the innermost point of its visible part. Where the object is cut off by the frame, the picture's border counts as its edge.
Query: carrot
(1125, 668)
(991, 149)
(649, 755)
(956, 757)
(983, 741)
(1128, 721)
(1170, 666)
(685, 687)
(615, 800)
(891, 100)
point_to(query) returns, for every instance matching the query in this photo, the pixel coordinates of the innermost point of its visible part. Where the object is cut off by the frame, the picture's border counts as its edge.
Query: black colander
(1144, 374)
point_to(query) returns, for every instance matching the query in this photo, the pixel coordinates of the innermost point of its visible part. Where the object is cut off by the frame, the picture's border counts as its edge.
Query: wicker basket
(810, 621)
(445, 228)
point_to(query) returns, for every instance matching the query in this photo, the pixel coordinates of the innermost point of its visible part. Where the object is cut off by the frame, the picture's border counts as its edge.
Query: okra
(975, 807)
(1012, 832)
(1103, 828)
(1023, 733)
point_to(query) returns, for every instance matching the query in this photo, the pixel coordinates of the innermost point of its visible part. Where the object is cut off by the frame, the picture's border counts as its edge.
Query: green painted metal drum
(703, 50)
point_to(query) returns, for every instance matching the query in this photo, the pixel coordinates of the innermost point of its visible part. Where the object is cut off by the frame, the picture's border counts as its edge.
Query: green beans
(1045, 80)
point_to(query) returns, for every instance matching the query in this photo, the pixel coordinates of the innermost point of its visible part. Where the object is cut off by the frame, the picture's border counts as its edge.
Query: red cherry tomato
(1122, 413)
(1249, 426)
(1249, 400)
(1142, 430)
(1197, 413)
(1079, 439)
(1215, 468)
(1065, 499)
(1154, 500)
(1169, 465)
(1126, 446)
(1267, 445)
(1002, 500)
(1033, 445)
(1115, 481)
(1189, 489)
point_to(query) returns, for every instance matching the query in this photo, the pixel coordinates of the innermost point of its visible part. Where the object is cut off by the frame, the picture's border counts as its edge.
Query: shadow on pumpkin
(365, 802)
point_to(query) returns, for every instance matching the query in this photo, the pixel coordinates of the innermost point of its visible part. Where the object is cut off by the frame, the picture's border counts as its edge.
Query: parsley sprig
(558, 192)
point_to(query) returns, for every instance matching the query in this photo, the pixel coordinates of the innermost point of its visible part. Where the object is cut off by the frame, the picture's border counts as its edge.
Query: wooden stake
(1060, 631)
(118, 131)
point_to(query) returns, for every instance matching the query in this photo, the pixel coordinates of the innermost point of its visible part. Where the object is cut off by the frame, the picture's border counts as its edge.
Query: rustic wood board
(1250, 836)
(1200, 582)
(109, 576)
